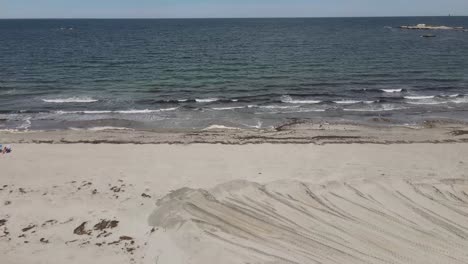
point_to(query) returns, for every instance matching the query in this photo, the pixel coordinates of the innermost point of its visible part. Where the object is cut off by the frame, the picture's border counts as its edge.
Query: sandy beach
(298, 194)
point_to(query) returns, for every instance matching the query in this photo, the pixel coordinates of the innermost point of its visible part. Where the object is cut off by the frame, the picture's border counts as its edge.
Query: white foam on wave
(145, 111)
(101, 128)
(348, 102)
(419, 97)
(277, 106)
(11, 130)
(71, 100)
(305, 110)
(220, 127)
(206, 100)
(26, 125)
(392, 90)
(454, 99)
(461, 100)
(384, 107)
(288, 99)
(227, 108)
(132, 111)
(60, 112)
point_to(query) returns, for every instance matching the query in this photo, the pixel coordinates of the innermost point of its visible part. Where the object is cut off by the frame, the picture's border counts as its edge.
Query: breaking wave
(288, 99)
(102, 128)
(392, 90)
(144, 111)
(419, 97)
(353, 102)
(206, 100)
(277, 106)
(71, 100)
(228, 108)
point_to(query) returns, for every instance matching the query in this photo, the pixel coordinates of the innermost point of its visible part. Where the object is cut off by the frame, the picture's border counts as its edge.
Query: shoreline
(295, 132)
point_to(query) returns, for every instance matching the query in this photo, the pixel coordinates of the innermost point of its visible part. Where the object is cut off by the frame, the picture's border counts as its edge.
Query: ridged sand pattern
(378, 221)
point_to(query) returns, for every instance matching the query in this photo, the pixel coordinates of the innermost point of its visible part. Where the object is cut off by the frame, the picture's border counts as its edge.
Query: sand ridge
(338, 222)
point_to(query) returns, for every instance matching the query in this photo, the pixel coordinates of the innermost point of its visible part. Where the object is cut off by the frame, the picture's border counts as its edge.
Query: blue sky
(226, 8)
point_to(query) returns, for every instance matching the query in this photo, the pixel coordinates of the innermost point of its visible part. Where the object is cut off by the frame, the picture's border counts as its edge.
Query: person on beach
(6, 149)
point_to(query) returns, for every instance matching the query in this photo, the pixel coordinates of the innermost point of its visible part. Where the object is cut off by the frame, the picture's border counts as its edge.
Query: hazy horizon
(163, 9)
(168, 18)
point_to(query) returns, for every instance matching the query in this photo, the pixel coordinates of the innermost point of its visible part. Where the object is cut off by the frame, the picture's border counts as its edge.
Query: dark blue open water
(193, 73)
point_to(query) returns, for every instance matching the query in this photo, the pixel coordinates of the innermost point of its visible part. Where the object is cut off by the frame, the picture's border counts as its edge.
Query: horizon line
(273, 17)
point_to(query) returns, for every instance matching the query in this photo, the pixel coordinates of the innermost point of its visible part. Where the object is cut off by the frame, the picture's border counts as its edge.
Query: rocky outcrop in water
(431, 27)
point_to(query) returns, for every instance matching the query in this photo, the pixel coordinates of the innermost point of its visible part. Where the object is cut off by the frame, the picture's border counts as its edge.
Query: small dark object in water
(428, 36)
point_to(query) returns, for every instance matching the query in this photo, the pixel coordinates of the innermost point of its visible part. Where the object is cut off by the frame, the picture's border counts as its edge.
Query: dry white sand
(346, 203)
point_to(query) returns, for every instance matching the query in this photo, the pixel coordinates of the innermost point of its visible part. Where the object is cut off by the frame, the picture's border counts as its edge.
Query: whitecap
(206, 100)
(347, 102)
(462, 100)
(288, 99)
(61, 112)
(132, 111)
(419, 97)
(92, 112)
(71, 100)
(305, 110)
(392, 90)
(278, 106)
(381, 109)
(227, 108)
(145, 111)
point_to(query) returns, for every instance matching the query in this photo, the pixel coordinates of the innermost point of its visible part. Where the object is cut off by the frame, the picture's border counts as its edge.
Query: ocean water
(246, 73)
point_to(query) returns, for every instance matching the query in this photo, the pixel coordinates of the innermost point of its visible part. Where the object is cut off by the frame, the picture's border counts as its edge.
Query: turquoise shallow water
(193, 73)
